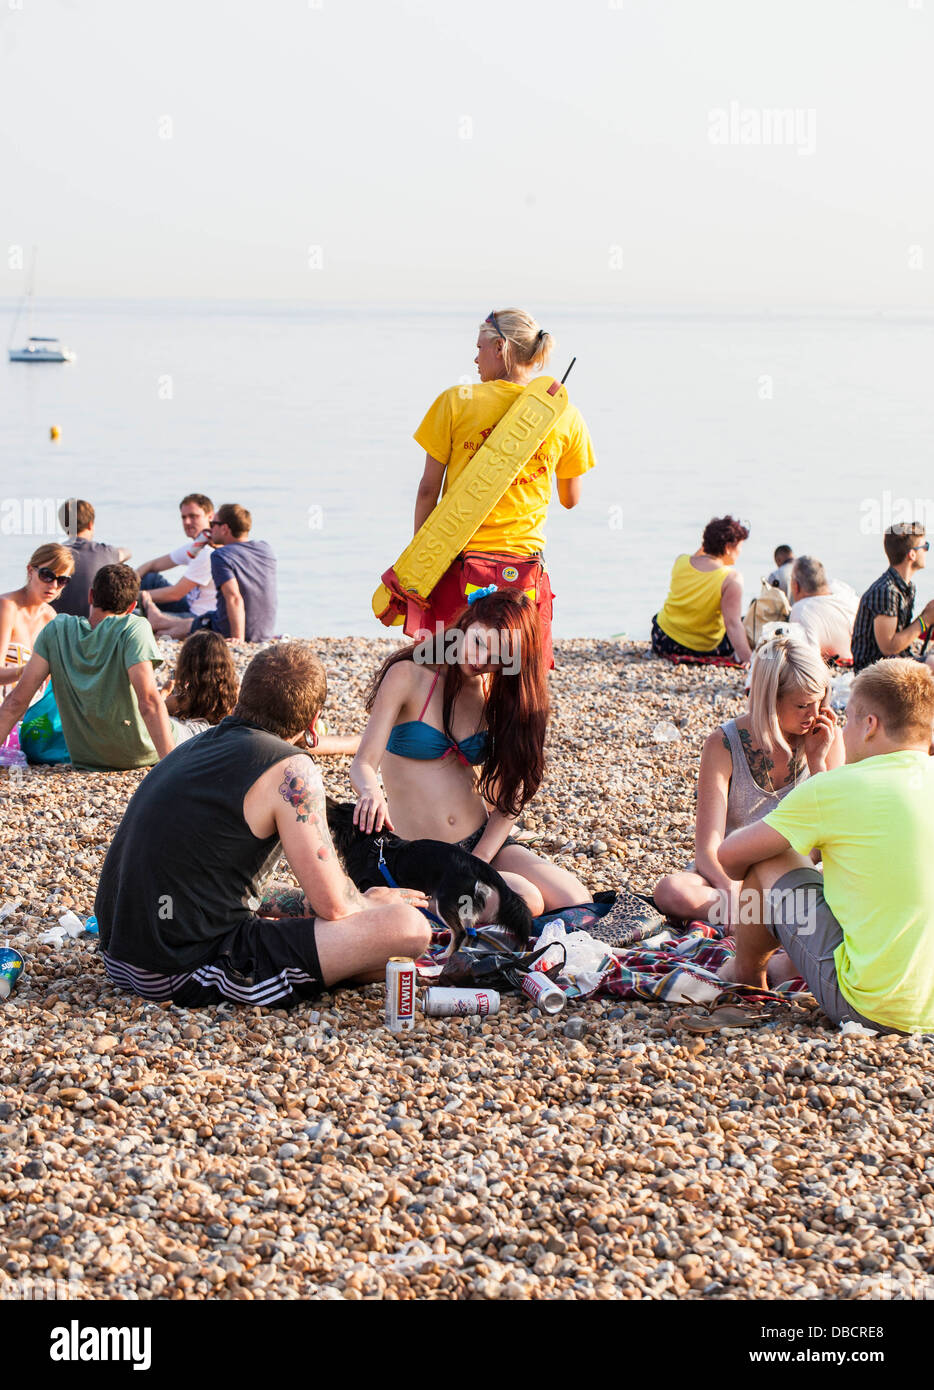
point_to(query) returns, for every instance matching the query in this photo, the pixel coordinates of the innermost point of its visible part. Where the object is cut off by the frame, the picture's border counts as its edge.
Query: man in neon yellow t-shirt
(506, 549)
(861, 933)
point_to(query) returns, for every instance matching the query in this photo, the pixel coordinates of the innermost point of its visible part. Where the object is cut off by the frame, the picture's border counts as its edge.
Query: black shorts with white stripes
(268, 961)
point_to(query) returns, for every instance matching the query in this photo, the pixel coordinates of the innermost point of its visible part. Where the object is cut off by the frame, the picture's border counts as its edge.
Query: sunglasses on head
(50, 577)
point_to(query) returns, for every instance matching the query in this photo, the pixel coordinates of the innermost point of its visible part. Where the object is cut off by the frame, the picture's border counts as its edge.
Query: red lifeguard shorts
(474, 570)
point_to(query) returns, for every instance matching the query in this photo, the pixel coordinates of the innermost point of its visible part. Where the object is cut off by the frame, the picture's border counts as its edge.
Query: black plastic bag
(487, 959)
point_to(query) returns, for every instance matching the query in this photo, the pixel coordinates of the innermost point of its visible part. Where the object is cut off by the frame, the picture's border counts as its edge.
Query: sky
(604, 152)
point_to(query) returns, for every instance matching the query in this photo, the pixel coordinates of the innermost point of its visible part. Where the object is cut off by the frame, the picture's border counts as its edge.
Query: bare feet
(780, 969)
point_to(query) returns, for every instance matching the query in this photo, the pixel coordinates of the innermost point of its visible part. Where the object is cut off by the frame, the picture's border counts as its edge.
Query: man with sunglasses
(884, 624)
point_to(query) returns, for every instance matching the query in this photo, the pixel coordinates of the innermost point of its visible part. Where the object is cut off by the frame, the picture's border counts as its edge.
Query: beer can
(11, 967)
(400, 994)
(544, 993)
(439, 1002)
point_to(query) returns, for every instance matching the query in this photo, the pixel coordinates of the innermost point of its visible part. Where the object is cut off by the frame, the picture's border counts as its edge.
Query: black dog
(460, 885)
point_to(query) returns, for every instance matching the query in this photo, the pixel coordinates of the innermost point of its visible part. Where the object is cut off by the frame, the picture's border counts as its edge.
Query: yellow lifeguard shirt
(691, 613)
(454, 429)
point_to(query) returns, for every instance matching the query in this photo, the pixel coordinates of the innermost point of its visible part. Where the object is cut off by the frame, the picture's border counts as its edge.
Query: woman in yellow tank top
(702, 615)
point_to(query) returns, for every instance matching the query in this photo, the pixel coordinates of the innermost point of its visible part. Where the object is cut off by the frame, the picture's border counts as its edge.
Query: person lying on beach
(102, 675)
(750, 764)
(77, 517)
(24, 612)
(861, 933)
(885, 625)
(475, 697)
(702, 615)
(181, 903)
(204, 688)
(507, 547)
(194, 593)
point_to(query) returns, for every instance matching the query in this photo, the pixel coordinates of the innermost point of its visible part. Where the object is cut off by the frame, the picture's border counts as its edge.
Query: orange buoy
(55, 432)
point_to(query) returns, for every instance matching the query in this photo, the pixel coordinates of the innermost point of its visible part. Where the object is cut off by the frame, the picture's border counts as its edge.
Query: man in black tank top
(180, 897)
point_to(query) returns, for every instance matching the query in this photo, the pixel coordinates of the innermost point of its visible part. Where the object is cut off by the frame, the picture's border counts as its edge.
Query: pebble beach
(153, 1152)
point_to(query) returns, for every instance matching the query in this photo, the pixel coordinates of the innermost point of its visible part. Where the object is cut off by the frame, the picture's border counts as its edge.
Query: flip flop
(726, 1016)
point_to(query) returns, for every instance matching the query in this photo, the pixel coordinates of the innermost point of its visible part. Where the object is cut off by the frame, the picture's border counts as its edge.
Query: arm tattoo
(285, 902)
(299, 792)
(352, 895)
(308, 800)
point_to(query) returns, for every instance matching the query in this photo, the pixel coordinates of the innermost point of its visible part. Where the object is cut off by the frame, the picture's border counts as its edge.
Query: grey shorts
(805, 926)
(470, 842)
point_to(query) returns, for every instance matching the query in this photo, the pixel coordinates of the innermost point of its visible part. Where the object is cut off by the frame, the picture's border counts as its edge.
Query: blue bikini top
(415, 739)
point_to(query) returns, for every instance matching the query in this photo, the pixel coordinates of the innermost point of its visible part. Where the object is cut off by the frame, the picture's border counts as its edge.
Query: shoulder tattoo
(306, 796)
(760, 764)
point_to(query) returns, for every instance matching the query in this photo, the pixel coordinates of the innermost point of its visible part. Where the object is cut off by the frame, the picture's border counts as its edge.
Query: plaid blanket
(675, 966)
(685, 659)
(678, 967)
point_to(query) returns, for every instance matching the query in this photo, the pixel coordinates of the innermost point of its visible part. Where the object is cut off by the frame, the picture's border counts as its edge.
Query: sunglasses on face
(50, 577)
(925, 546)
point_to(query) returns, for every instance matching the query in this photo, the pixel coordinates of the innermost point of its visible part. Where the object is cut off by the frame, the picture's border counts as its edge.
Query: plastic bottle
(840, 691)
(11, 755)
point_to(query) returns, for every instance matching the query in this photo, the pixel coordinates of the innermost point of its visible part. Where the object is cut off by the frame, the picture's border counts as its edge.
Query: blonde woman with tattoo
(180, 900)
(750, 764)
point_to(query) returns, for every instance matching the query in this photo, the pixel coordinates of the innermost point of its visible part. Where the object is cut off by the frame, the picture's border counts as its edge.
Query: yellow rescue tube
(469, 500)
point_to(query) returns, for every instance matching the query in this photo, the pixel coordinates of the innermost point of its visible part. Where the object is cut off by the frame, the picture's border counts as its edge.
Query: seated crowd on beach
(814, 844)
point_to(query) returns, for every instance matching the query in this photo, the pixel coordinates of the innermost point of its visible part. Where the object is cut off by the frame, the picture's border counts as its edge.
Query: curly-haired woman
(702, 615)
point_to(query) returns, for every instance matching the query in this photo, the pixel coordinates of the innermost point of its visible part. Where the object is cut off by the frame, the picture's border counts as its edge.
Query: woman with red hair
(457, 729)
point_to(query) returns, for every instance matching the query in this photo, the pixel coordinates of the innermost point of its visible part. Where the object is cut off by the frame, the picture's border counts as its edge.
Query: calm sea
(816, 430)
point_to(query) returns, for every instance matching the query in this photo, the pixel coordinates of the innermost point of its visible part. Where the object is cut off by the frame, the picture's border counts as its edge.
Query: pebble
(153, 1151)
(320, 1131)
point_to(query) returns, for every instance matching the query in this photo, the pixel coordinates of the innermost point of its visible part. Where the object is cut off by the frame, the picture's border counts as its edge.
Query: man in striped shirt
(884, 624)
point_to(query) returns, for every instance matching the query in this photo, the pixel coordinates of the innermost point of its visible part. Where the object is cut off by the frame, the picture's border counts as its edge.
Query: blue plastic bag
(40, 734)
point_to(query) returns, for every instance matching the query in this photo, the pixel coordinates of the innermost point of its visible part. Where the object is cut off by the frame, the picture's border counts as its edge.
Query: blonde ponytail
(524, 343)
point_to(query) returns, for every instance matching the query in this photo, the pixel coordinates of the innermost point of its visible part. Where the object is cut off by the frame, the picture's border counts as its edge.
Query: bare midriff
(432, 799)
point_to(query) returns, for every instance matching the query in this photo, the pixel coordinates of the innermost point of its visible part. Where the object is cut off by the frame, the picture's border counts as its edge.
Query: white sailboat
(37, 349)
